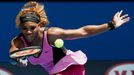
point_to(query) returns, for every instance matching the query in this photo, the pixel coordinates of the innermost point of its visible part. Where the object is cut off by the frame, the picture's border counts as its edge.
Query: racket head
(25, 52)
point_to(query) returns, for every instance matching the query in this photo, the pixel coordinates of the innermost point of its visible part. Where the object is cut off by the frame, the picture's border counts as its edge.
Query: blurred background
(116, 45)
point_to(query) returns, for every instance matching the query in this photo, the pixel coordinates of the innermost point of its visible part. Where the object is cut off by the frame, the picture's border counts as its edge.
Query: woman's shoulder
(49, 30)
(17, 41)
(54, 30)
(17, 37)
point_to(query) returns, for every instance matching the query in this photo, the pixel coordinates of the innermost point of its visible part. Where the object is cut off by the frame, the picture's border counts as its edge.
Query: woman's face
(29, 30)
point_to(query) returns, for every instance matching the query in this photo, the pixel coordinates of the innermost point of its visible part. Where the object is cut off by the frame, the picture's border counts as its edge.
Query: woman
(32, 22)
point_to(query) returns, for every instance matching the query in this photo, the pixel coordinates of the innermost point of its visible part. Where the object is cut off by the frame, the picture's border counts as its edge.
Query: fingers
(119, 20)
(126, 15)
(126, 19)
(118, 14)
(23, 62)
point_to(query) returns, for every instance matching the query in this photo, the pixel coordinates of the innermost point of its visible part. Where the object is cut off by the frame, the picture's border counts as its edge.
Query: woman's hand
(22, 62)
(119, 20)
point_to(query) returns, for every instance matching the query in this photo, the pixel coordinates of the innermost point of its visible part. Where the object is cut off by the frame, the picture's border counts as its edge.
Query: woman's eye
(32, 28)
(24, 28)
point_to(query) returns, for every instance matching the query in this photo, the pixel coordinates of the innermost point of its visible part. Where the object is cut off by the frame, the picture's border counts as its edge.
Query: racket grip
(24, 58)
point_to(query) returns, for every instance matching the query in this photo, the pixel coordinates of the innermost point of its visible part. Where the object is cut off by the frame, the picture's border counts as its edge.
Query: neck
(37, 40)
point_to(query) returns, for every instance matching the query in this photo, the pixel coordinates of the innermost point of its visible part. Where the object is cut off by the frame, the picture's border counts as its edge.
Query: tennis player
(32, 21)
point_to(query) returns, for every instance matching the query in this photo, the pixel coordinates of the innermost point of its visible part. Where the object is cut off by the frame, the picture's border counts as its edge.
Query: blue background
(112, 45)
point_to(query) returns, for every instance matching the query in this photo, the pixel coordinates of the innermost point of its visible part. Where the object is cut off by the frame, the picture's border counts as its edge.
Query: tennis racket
(25, 52)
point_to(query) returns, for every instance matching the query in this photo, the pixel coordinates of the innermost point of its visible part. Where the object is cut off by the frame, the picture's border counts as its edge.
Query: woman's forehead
(30, 23)
(27, 24)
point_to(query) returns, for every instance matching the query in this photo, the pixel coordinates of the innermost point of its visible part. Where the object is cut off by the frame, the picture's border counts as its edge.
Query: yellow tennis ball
(59, 43)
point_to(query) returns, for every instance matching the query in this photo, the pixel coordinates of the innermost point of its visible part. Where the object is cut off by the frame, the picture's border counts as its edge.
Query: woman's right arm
(15, 45)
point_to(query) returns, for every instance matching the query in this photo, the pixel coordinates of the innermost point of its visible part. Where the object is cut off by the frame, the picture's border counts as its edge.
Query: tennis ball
(59, 43)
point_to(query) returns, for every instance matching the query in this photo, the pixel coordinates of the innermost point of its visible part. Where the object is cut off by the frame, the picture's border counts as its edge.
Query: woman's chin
(30, 39)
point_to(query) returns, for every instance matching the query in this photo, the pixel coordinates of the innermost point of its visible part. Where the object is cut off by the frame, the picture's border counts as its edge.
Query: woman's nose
(29, 31)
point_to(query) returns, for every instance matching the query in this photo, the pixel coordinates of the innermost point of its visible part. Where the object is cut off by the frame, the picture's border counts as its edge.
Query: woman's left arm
(89, 30)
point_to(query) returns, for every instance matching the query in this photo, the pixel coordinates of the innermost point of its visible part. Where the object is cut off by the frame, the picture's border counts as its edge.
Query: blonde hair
(33, 6)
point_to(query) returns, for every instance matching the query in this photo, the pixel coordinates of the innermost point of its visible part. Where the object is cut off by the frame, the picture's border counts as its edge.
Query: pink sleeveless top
(46, 58)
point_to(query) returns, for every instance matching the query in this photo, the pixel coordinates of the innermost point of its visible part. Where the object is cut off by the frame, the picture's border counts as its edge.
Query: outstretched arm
(89, 30)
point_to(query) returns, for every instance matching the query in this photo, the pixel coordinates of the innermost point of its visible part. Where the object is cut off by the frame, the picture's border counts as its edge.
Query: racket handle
(24, 58)
(14, 61)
